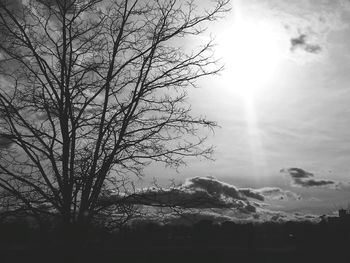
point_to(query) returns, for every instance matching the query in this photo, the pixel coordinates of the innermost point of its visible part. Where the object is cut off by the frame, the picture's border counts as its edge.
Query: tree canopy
(91, 91)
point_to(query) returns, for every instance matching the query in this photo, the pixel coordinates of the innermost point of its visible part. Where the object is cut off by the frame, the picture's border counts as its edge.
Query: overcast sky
(282, 102)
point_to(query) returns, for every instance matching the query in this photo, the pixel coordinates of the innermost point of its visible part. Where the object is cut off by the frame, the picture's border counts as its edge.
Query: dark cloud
(213, 187)
(5, 141)
(196, 192)
(70, 4)
(179, 197)
(14, 6)
(252, 193)
(313, 182)
(303, 178)
(276, 193)
(270, 193)
(297, 173)
(301, 42)
(11, 4)
(203, 192)
(182, 197)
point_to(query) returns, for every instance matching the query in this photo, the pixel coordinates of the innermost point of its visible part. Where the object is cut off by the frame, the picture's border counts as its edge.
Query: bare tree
(91, 92)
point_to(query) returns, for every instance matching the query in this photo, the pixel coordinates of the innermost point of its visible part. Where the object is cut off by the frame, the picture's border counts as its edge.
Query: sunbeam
(252, 50)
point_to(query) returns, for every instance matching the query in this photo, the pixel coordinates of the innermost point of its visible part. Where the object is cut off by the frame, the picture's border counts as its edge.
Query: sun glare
(251, 54)
(252, 51)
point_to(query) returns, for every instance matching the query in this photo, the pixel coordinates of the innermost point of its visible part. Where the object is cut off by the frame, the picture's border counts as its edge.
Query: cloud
(203, 192)
(313, 182)
(297, 173)
(213, 187)
(300, 42)
(276, 193)
(12, 5)
(306, 25)
(5, 141)
(198, 192)
(252, 193)
(209, 198)
(211, 184)
(190, 216)
(182, 197)
(303, 178)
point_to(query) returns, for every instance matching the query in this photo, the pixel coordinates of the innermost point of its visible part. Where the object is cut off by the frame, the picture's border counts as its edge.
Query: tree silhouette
(91, 92)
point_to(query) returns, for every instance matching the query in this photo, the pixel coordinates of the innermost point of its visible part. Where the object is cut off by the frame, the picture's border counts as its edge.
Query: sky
(282, 103)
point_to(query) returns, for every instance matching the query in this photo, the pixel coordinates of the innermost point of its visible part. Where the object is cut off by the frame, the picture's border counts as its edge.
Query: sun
(251, 51)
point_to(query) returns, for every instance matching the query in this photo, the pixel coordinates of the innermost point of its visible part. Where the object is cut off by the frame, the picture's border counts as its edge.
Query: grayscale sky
(283, 101)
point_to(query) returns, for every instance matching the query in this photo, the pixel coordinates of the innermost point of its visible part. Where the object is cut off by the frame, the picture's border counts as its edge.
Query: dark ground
(202, 242)
(177, 254)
